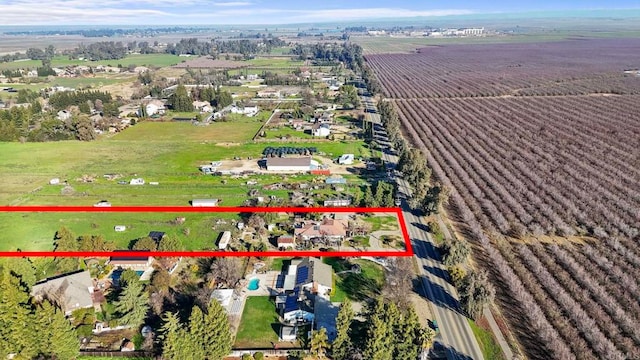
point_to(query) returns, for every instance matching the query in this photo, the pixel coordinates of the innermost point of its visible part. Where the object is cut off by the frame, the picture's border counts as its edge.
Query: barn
(291, 164)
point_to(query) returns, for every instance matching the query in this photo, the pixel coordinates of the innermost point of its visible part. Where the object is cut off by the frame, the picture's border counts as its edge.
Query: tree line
(63, 99)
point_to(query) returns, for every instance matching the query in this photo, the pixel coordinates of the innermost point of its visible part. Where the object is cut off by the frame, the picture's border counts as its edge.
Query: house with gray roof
(70, 291)
(312, 275)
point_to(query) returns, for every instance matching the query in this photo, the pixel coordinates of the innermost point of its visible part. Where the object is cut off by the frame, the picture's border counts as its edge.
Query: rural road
(455, 334)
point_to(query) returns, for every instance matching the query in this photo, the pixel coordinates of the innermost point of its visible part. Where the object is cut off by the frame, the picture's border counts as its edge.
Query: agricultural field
(155, 60)
(554, 68)
(539, 145)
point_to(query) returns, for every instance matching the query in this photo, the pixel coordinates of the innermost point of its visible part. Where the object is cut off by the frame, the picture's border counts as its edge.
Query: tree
(226, 270)
(410, 336)
(172, 336)
(180, 100)
(342, 343)
(457, 252)
(170, 243)
(82, 128)
(63, 343)
(319, 342)
(217, 339)
(223, 99)
(378, 343)
(16, 321)
(133, 304)
(145, 243)
(475, 292)
(399, 281)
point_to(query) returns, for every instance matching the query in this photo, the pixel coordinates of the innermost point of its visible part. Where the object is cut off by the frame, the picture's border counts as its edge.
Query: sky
(219, 12)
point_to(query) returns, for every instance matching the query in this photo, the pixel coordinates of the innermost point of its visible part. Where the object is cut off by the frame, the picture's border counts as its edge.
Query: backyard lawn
(259, 324)
(159, 60)
(367, 284)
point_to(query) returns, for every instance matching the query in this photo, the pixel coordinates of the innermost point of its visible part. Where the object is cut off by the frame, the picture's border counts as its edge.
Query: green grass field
(275, 62)
(383, 222)
(488, 344)
(156, 60)
(259, 323)
(359, 287)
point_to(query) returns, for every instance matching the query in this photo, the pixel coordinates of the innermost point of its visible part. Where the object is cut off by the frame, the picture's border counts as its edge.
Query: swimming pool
(253, 284)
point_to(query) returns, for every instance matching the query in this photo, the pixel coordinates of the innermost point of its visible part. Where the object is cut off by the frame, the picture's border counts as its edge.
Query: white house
(268, 93)
(322, 130)
(203, 106)
(249, 111)
(346, 159)
(154, 107)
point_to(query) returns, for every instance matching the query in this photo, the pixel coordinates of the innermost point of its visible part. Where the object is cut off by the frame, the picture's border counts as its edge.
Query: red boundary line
(167, 209)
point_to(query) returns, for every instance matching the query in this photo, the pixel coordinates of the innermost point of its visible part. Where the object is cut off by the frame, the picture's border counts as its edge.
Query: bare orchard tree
(399, 280)
(226, 270)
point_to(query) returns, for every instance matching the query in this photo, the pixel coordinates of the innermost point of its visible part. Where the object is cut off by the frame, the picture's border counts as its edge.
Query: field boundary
(219, 253)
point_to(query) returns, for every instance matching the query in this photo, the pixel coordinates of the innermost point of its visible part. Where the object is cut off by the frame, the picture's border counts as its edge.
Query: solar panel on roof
(302, 275)
(280, 281)
(291, 304)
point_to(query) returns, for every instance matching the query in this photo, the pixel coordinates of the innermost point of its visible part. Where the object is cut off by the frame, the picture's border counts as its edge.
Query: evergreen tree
(223, 99)
(16, 319)
(197, 334)
(342, 343)
(171, 334)
(217, 339)
(378, 343)
(133, 304)
(180, 100)
(319, 343)
(62, 344)
(22, 268)
(368, 200)
(410, 336)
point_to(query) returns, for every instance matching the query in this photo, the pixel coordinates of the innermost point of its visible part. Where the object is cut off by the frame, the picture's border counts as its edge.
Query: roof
(130, 259)
(223, 296)
(328, 227)
(314, 271)
(276, 161)
(286, 239)
(73, 289)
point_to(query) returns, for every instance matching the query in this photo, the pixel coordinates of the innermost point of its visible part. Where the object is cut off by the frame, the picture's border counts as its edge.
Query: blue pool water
(253, 284)
(139, 272)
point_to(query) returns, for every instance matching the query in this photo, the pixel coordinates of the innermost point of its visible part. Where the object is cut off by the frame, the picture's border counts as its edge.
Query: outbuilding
(291, 164)
(204, 202)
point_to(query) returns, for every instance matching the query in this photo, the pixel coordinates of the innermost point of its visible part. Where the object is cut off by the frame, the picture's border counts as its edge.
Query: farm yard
(539, 144)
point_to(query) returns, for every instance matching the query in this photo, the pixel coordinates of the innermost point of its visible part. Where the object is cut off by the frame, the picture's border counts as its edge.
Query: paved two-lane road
(455, 333)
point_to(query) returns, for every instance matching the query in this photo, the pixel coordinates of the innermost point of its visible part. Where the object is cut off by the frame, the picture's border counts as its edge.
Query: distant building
(136, 181)
(321, 130)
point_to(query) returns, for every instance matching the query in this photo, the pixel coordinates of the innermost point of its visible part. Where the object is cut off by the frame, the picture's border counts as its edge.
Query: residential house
(64, 115)
(154, 107)
(203, 106)
(309, 274)
(329, 231)
(336, 202)
(141, 262)
(321, 130)
(70, 291)
(294, 308)
(249, 111)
